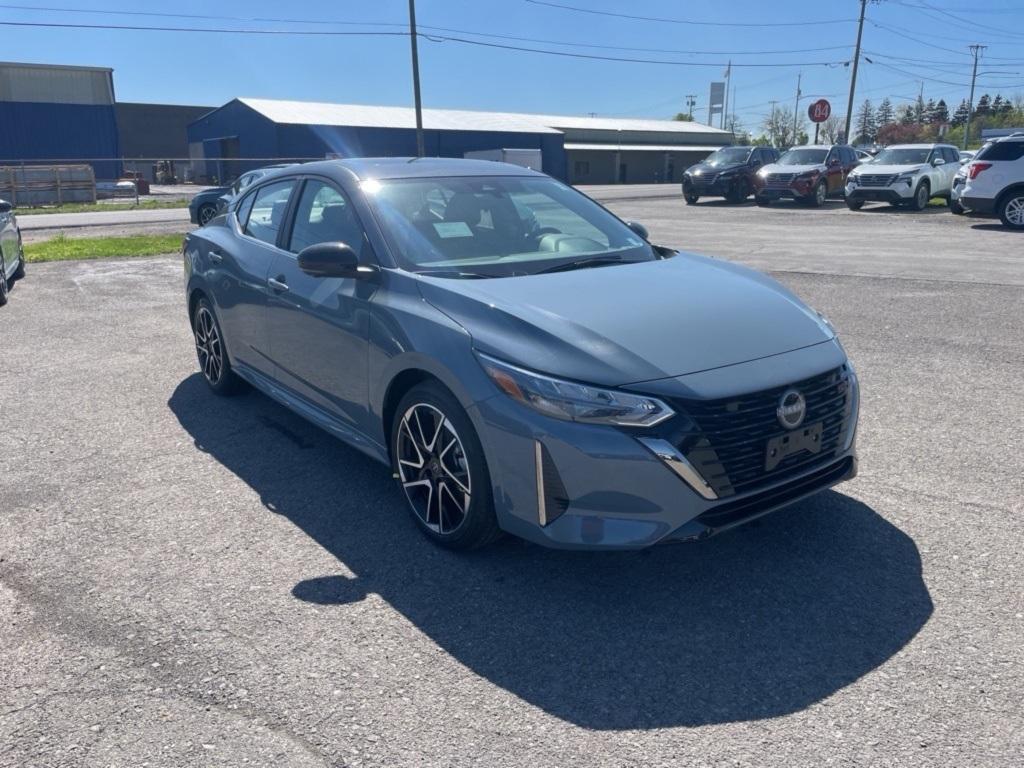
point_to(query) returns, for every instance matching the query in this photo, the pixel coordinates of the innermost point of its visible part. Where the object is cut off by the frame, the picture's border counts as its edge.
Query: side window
(325, 215)
(952, 156)
(242, 211)
(1001, 150)
(267, 212)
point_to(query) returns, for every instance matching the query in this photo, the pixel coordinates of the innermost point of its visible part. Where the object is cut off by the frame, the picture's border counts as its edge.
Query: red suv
(808, 174)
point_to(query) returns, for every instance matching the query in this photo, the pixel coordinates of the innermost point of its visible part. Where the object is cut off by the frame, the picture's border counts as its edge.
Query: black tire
(1011, 210)
(955, 208)
(206, 213)
(20, 271)
(691, 198)
(854, 205)
(423, 408)
(922, 195)
(211, 352)
(4, 288)
(818, 197)
(764, 202)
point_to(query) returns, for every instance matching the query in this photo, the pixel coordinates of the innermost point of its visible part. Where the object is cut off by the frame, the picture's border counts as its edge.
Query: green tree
(885, 114)
(866, 128)
(984, 106)
(684, 117)
(941, 112)
(960, 116)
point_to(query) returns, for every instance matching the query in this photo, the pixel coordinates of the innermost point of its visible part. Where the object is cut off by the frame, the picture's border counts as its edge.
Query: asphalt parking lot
(186, 580)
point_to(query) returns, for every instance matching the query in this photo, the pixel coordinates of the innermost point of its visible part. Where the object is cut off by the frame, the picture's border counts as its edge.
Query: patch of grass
(145, 205)
(63, 248)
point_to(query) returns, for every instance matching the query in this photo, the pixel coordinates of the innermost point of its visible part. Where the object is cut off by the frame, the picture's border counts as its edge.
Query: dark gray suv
(523, 360)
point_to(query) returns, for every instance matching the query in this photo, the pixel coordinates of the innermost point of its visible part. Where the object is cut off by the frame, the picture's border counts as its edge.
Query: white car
(904, 174)
(993, 182)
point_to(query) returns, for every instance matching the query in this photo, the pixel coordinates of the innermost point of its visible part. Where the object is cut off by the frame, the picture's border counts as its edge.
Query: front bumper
(796, 191)
(701, 186)
(618, 493)
(897, 192)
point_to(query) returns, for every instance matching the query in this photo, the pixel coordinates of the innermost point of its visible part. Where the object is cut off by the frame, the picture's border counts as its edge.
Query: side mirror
(5, 207)
(639, 229)
(331, 260)
(938, 161)
(833, 162)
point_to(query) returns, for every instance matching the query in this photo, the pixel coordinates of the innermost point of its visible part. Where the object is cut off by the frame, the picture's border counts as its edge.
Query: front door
(319, 326)
(8, 241)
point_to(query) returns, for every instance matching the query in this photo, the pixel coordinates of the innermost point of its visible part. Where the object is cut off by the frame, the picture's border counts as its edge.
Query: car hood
(703, 169)
(210, 194)
(884, 170)
(629, 323)
(798, 169)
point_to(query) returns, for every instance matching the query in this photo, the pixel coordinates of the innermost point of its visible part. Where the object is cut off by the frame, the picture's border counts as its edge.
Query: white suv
(993, 182)
(904, 174)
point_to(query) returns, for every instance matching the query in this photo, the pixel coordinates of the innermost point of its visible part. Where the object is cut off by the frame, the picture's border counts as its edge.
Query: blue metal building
(53, 114)
(247, 133)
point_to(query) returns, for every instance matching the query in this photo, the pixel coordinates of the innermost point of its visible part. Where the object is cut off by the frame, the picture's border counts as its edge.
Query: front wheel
(820, 194)
(854, 205)
(1011, 210)
(20, 271)
(691, 198)
(213, 357)
(921, 196)
(207, 212)
(441, 466)
(764, 202)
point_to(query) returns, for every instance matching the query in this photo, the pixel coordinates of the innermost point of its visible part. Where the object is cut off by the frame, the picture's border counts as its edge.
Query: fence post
(60, 196)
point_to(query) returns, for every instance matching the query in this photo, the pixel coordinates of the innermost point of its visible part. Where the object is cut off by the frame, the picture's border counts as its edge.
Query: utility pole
(796, 105)
(976, 50)
(853, 77)
(420, 152)
(691, 102)
(725, 106)
(771, 121)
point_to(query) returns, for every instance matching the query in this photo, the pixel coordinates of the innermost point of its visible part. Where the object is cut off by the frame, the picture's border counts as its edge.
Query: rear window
(1002, 150)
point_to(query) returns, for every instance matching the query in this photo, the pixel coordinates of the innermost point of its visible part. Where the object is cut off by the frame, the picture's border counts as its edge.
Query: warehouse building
(57, 114)
(246, 133)
(151, 133)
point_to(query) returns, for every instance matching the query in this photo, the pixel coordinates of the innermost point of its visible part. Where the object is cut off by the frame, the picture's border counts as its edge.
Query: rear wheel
(1011, 210)
(213, 356)
(441, 466)
(956, 208)
(206, 213)
(854, 205)
(3, 282)
(922, 196)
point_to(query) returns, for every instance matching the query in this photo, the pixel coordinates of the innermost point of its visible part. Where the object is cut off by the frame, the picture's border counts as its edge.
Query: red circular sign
(819, 111)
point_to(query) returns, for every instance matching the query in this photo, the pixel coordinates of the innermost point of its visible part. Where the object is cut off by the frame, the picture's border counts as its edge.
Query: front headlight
(763, 172)
(852, 180)
(807, 175)
(907, 177)
(570, 401)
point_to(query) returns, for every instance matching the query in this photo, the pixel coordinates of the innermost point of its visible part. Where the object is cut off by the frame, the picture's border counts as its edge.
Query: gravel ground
(191, 581)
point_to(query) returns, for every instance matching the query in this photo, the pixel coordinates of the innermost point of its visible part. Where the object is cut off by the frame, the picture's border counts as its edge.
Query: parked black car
(727, 172)
(214, 201)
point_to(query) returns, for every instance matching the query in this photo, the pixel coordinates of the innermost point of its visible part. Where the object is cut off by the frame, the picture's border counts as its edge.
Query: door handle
(277, 285)
(216, 257)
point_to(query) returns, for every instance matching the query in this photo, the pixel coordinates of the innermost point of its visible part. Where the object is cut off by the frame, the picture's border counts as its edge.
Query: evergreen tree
(885, 114)
(905, 114)
(997, 105)
(941, 114)
(865, 121)
(961, 114)
(984, 106)
(929, 112)
(919, 109)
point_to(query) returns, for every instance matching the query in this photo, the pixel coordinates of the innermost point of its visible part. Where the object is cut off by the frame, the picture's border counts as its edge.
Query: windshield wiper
(456, 274)
(593, 261)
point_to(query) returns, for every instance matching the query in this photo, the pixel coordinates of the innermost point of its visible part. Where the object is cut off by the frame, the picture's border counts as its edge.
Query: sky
(908, 44)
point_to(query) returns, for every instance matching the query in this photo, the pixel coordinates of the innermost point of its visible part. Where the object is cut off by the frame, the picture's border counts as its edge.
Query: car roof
(919, 146)
(360, 168)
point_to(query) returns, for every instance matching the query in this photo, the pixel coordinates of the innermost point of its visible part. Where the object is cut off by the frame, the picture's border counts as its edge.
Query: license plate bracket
(802, 439)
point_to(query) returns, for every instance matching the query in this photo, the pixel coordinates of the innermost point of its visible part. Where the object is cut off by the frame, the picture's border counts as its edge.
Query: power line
(661, 20)
(223, 31)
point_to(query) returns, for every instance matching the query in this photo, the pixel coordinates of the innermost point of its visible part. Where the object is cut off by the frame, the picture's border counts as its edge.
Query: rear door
(319, 326)
(241, 262)
(8, 241)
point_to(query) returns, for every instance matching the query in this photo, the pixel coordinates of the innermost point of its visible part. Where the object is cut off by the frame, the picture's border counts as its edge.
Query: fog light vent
(552, 498)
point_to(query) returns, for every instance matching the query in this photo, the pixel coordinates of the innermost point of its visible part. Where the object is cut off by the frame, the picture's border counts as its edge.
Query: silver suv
(993, 182)
(904, 174)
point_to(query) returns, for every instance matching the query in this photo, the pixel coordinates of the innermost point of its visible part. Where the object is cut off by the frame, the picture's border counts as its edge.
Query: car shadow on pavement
(759, 622)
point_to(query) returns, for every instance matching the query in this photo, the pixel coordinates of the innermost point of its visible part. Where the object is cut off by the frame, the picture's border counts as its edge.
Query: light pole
(416, 79)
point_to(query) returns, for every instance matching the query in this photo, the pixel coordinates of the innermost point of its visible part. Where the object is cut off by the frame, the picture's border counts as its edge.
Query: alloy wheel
(433, 468)
(820, 194)
(922, 197)
(206, 213)
(208, 346)
(1015, 211)
(3, 282)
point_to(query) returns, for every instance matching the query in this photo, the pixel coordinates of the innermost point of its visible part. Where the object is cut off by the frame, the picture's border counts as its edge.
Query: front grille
(726, 440)
(779, 179)
(876, 179)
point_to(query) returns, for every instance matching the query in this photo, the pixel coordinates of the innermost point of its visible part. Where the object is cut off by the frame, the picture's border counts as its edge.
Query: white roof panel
(646, 147)
(369, 116)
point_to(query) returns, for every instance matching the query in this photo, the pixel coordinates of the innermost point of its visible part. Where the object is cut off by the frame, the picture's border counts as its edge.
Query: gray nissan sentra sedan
(522, 359)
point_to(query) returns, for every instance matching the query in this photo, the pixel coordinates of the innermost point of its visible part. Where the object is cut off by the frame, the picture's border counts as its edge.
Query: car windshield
(908, 156)
(809, 156)
(497, 226)
(728, 156)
